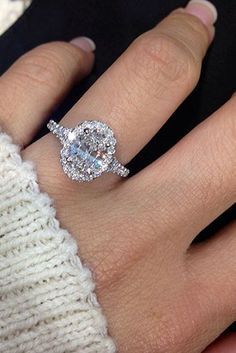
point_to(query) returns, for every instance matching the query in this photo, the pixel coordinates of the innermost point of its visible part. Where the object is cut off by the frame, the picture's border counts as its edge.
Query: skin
(159, 293)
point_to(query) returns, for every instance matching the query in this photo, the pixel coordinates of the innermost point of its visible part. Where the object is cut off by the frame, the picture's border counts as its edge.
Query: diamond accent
(88, 150)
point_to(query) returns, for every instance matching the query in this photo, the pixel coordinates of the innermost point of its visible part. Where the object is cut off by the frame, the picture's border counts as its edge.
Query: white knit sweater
(10, 11)
(47, 300)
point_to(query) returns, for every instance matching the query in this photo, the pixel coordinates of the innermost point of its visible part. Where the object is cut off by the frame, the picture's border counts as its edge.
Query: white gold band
(117, 168)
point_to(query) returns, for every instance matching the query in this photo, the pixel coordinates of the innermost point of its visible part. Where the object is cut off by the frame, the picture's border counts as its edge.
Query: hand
(159, 293)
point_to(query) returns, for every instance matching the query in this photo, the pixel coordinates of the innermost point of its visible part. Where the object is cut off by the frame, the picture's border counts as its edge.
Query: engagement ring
(88, 150)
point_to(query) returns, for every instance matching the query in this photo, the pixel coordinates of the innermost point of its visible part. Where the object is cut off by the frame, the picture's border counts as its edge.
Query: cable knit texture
(47, 300)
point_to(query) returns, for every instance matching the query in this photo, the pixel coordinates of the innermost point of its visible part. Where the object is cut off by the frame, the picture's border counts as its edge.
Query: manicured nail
(84, 43)
(204, 10)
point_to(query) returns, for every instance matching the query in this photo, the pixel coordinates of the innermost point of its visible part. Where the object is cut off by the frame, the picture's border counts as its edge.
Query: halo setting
(88, 150)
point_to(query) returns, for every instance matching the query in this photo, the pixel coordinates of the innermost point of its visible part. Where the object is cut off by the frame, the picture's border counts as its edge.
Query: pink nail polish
(204, 10)
(84, 43)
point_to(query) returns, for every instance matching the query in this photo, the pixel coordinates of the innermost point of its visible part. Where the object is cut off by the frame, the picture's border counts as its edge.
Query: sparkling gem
(88, 150)
(73, 150)
(71, 135)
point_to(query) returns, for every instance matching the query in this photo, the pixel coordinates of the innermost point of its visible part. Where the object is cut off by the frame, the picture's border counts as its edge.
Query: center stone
(92, 160)
(88, 151)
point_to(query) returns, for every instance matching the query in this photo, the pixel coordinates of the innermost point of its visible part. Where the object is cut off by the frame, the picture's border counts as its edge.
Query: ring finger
(145, 86)
(148, 82)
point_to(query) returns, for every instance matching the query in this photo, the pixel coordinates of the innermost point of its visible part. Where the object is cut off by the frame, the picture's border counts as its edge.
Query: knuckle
(46, 65)
(190, 31)
(193, 26)
(165, 55)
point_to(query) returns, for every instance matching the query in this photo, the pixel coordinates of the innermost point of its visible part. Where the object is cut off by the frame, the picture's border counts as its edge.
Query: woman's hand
(159, 293)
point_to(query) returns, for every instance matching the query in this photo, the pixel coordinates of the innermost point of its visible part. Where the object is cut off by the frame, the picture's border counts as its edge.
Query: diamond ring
(88, 150)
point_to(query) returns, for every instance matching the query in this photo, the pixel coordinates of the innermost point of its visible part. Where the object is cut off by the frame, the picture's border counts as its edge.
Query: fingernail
(204, 10)
(84, 43)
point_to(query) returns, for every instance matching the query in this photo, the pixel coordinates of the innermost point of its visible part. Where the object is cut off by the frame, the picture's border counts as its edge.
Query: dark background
(113, 24)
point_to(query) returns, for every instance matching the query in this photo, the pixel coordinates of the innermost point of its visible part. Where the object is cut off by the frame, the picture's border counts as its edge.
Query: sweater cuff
(47, 299)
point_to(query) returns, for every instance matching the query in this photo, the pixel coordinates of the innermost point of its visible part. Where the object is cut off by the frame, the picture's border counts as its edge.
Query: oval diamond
(88, 151)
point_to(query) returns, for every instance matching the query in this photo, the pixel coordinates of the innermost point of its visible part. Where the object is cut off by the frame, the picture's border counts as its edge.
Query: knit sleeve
(47, 299)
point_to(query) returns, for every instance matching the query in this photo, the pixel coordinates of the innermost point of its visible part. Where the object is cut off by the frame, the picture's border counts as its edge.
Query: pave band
(117, 168)
(88, 150)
